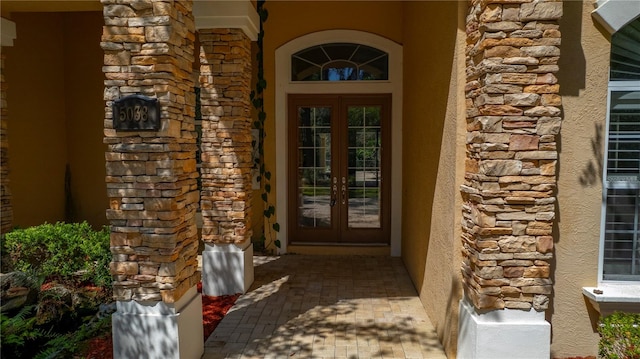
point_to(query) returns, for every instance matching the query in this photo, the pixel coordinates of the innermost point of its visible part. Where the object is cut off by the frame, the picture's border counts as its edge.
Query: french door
(339, 163)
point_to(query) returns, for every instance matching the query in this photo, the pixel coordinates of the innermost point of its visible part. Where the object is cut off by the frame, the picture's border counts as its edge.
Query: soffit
(615, 14)
(208, 14)
(11, 6)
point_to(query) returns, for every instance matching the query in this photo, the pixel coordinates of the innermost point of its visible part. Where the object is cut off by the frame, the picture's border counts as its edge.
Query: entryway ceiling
(9, 6)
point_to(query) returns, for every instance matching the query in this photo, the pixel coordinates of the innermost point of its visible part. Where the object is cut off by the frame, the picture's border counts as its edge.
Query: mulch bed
(213, 310)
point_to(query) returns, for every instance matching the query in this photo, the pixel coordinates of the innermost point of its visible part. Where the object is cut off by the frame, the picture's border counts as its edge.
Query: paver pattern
(326, 307)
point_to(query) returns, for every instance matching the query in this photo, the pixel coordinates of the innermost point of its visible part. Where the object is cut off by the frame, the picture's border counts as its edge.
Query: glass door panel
(314, 167)
(364, 166)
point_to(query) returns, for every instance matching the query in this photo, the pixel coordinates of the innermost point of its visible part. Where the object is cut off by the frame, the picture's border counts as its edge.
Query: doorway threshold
(368, 249)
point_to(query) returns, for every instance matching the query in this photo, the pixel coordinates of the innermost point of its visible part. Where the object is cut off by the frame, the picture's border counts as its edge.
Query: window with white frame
(621, 222)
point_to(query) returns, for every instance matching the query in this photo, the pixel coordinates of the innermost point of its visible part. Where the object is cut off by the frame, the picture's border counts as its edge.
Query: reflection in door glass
(314, 167)
(364, 166)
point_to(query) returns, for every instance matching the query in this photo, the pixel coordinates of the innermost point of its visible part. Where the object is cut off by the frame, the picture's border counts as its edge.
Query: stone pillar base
(158, 329)
(502, 333)
(226, 268)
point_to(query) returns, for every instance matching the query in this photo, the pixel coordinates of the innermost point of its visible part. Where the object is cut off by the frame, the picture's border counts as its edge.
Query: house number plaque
(136, 113)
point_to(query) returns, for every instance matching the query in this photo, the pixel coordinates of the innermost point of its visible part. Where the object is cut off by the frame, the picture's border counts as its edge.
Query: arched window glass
(339, 62)
(625, 53)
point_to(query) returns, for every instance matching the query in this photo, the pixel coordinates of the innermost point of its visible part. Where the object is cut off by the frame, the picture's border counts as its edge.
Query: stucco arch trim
(613, 15)
(284, 87)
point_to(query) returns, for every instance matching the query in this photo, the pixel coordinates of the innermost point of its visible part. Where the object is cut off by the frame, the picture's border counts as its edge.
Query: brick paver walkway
(326, 307)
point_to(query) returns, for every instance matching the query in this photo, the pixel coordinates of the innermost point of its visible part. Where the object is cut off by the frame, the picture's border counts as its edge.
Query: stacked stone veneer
(225, 82)
(151, 176)
(6, 211)
(513, 119)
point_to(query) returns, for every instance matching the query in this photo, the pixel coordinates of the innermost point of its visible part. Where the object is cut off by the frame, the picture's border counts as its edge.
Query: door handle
(344, 190)
(334, 194)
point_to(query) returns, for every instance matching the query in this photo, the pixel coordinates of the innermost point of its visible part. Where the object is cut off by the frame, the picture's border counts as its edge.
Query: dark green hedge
(61, 250)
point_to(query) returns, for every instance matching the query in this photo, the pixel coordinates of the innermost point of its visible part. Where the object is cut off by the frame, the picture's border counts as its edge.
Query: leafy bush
(63, 250)
(22, 337)
(620, 336)
(20, 334)
(58, 261)
(66, 346)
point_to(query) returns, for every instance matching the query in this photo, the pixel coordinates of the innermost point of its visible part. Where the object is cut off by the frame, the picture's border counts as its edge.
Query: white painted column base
(227, 268)
(159, 330)
(502, 333)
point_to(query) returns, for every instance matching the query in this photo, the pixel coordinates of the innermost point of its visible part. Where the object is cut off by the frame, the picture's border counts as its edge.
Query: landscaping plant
(620, 336)
(59, 277)
(20, 333)
(70, 251)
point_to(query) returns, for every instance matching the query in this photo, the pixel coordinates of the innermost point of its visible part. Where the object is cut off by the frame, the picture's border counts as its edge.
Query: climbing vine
(257, 99)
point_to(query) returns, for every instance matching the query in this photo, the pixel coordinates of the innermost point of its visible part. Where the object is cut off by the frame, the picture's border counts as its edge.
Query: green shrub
(62, 250)
(21, 335)
(620, 336)
(71, 344)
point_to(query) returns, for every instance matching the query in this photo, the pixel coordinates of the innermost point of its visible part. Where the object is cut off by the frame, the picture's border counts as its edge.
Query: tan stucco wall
(84, 112)
(583, 75)
(433, 148)
(56, 117)
(291, 19)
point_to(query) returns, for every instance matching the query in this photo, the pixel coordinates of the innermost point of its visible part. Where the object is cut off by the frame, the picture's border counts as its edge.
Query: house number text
(136, 113)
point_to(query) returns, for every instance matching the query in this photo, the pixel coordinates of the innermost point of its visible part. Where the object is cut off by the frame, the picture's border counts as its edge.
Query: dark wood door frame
(339, 231)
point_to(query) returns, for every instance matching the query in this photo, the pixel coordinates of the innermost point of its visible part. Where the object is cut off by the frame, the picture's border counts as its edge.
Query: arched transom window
(339, 62)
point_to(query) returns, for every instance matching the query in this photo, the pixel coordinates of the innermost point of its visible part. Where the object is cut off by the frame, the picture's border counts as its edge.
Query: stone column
(225, 83)
(513, 118)
(8, 30)
(151, 181)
